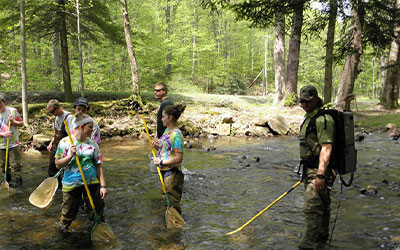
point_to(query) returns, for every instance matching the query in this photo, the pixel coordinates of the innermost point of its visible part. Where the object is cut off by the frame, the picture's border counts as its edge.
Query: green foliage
(291, 100)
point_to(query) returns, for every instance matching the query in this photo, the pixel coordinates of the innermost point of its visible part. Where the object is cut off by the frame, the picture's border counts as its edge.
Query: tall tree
(294, 48)
(131, 52)
(352, 61)
(78, 25)
(390, 89)
(64, 52)
(330, 39)
(23, 64)
(279, 57)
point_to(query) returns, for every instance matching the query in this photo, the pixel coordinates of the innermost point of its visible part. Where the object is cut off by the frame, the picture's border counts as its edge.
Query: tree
(294, 48)
(330, 39)
(64, 52)
(390, 91)
(78, 25)
(23, 64)
(352, 61)
(131, 52)
(279, 58)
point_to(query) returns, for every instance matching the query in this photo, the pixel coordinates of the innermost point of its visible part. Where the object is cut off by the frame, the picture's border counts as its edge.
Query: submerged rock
(370, 190)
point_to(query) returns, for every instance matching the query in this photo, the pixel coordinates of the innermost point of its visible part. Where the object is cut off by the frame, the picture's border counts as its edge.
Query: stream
(223, 189)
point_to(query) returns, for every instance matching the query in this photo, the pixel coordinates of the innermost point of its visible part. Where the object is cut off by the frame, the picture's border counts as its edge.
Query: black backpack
(344, 153)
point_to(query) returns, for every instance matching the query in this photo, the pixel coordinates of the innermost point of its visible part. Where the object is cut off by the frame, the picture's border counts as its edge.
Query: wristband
(320, 176)
(102, 187)
(161, 162)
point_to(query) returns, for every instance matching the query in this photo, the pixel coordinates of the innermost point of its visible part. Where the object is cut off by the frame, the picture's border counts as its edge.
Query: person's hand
(49, 146)
(11, 118)
(156, 161)
(319, 184)
(72, 151)
(156, 143)
(103, 192)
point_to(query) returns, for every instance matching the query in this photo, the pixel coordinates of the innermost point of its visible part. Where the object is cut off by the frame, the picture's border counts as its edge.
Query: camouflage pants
(72, 201)
(174, 186)
(317, 210)
(14, 162)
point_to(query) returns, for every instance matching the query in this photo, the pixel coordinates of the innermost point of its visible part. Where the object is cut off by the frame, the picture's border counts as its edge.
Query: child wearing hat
(82, 106)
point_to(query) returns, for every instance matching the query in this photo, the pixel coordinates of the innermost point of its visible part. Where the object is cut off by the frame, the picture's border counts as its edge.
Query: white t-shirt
(60, 121)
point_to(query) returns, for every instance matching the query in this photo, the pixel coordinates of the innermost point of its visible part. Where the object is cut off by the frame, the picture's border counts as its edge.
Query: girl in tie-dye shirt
(170, 154)
(90, 159)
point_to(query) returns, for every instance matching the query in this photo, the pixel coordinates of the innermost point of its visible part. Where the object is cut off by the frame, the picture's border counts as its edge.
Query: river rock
(32, 152)
(390, 126)
(224, 129)
(359, 137)
(40, 142)
(370, 190)
(276, 124)
(193, 144)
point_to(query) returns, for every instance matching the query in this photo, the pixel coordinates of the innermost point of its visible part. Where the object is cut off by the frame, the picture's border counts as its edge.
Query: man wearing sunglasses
(316, 143)
(161, 91)
(54, 108)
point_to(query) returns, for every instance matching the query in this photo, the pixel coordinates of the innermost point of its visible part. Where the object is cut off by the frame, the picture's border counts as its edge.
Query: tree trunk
(279, 57)
(131, 52)
(55, 60)
(330, 39)
(351, 70)
(390, 91)
(194, 38)
(23, 63)
(168, 67)
(78, 25)
(294, 49)
(64, 53)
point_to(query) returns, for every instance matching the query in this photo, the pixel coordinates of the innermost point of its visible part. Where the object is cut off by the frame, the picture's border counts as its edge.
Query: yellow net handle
(154, 154)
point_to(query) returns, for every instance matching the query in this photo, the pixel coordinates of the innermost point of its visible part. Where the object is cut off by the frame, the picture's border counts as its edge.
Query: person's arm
(50, 144)
(324, 157)
(6, 134)
(16, 121)
(170, 161)
(60, 163)
(103, 186)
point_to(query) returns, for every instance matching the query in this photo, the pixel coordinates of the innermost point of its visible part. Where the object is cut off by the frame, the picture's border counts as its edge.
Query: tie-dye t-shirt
(171, 142)
(13, 140)
(89, 153)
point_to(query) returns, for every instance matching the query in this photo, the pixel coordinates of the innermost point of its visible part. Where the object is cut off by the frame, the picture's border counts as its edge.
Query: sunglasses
(304, 101)
(158, 90)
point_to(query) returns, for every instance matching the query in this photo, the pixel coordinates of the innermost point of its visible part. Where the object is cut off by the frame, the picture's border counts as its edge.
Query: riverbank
(205, 115)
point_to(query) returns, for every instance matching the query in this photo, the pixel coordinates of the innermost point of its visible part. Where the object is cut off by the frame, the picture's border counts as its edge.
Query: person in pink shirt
(10, 114)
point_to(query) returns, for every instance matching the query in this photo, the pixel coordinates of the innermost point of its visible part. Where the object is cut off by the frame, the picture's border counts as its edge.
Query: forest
(258, 47)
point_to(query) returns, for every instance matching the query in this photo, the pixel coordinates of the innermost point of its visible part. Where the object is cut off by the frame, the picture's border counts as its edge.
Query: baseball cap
(308, 92)
(81, 101)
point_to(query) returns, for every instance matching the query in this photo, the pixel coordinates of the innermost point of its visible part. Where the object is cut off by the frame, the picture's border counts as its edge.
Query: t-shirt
(171, 143)
(13, 140)
(59, 121)
(312, 143)
(160, 127)
(89, 155)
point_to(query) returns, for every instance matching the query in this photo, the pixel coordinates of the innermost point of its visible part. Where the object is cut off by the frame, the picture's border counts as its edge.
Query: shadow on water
(223, 190)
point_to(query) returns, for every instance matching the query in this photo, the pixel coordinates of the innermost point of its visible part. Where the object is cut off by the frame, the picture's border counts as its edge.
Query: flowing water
(223, 190)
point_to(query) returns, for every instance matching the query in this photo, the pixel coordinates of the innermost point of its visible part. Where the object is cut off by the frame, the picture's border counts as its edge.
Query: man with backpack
(316, 147)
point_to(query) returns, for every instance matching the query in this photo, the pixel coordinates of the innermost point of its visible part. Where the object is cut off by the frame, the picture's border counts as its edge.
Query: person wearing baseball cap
(315, 152)
(82, 106)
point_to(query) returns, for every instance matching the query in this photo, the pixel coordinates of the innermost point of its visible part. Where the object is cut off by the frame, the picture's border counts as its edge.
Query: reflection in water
(223, 189)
